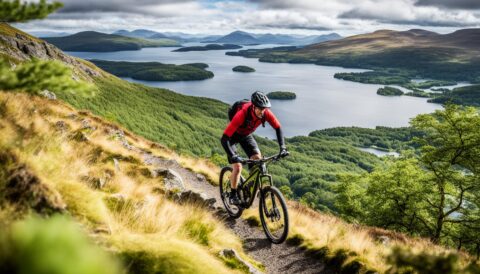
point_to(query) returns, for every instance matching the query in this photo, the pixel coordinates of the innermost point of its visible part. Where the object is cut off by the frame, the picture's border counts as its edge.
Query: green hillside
(71, 160)
(194, 125)
(101, 42)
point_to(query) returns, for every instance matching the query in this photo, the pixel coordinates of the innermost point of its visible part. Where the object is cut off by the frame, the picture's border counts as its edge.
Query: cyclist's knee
(237, 167)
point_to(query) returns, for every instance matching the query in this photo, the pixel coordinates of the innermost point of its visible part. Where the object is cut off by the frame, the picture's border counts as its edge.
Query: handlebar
(265, 159)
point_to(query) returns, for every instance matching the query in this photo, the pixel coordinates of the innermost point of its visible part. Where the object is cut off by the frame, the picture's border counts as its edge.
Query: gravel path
(281, 258)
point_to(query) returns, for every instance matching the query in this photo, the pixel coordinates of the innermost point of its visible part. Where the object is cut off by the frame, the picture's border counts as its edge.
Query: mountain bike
(272, 206)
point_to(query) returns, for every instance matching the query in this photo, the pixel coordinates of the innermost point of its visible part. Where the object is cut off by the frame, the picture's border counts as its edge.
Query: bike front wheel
(274, 214)
(225, 189)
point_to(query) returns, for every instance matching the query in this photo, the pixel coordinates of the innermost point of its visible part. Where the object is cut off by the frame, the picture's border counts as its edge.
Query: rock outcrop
(24, 48)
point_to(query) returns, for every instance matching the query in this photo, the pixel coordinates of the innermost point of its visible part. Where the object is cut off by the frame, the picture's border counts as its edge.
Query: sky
(346, 17)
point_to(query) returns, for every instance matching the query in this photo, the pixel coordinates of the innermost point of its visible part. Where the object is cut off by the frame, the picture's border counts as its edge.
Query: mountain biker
(240, 129)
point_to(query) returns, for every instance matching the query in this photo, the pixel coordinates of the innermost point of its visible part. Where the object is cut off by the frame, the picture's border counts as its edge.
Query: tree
(451, 151)
(19, 11)
(434, 193)
(36, 75)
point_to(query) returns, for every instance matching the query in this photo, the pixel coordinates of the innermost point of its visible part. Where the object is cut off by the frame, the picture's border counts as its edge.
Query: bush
(53, 246)
(38, 75)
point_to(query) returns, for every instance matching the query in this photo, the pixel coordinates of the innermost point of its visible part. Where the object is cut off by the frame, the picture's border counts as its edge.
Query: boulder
(172, 180)
(24, 188)
(150, 159)
(191, 197)
(61, 126)
(48, 94)
(385, 240)
(86, 125)
(201, 177)
(116, 164)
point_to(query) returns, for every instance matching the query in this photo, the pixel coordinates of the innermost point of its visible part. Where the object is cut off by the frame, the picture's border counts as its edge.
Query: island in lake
(282, 95)
(389, 91)
(208, 47)
(154, 71)
(243, 69)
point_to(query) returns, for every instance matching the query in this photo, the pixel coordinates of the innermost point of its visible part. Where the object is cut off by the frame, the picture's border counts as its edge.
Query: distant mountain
(101, 42)
(177, 36)
(389, 39)
(238, 37)
(401, 55)
(138, 33)
(313, 39)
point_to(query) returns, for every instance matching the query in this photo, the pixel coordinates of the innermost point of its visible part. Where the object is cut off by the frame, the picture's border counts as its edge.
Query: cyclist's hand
(284, 152)
(236, 159)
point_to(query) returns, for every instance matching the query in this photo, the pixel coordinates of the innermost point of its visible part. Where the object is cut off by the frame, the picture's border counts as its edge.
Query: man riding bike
(245, 121)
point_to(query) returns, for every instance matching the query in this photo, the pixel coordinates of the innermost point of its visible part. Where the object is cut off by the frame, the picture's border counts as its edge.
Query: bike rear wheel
(225, 189)
(274, 214)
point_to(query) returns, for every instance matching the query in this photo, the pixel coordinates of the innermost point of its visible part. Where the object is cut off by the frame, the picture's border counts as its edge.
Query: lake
(322, 101)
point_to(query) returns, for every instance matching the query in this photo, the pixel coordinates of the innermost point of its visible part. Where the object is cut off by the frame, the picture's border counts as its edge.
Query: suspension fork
(262, 194)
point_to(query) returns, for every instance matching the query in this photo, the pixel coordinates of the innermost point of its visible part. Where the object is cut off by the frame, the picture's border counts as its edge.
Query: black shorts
(248, 144)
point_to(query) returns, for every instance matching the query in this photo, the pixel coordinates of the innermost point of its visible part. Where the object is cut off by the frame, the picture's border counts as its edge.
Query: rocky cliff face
(22, 47)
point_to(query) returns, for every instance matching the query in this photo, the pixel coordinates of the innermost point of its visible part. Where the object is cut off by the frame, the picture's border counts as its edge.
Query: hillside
(238, 37)
(241, 37)
(395, 57)
(103, 177)
(112, 182)
(102, 42)
(84, 151)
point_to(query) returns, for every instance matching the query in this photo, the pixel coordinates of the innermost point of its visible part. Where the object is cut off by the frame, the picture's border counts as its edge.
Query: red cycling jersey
(238, 122)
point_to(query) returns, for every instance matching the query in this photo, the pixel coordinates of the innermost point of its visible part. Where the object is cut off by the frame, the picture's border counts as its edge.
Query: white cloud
(287, 16)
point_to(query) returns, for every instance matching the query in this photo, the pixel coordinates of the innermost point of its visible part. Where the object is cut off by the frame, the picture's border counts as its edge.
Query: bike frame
(257, 176)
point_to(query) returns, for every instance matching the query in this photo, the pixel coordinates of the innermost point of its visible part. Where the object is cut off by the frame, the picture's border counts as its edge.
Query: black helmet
(260, 100)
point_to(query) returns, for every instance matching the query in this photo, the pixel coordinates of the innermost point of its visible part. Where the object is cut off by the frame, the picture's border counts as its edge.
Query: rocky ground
(283, 258)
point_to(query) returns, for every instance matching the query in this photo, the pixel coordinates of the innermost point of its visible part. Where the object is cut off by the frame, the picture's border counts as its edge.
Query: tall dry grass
(133, 217)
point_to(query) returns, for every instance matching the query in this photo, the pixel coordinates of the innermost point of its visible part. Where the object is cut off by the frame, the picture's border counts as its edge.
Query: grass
(143, 227)
(349, 246)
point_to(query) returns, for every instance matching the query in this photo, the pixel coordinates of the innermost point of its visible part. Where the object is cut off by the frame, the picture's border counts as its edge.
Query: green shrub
(405, 261)
(38, 75)
(52, 246)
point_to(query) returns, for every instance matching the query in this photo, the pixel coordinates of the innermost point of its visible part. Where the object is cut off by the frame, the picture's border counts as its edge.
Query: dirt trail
(281, 258)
